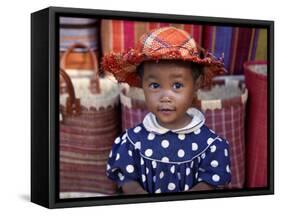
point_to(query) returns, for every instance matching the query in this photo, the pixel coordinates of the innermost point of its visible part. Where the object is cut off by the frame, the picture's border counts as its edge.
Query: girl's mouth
(166, 111)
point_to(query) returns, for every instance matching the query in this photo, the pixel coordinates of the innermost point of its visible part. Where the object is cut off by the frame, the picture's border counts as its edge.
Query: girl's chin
(164, 121)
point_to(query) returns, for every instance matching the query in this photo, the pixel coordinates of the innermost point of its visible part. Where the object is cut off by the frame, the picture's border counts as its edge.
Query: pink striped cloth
(121, 35)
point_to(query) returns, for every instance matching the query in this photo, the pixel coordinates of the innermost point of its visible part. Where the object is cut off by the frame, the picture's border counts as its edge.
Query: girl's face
(169, 90)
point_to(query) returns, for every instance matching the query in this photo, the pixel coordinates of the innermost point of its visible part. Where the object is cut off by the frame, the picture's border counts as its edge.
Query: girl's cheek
(151, 100)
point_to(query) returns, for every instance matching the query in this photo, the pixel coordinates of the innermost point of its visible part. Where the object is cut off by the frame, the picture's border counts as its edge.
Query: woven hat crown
(167, 39)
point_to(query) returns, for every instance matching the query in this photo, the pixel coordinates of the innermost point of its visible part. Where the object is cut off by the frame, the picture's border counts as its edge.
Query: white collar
(150, 123)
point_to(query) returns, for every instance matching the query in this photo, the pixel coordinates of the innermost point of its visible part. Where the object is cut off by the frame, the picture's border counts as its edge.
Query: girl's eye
(154, 85)
(177, 85)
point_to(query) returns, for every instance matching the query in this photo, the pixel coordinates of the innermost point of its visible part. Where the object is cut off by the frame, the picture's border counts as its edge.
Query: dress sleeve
(214, 167)
(122, 164)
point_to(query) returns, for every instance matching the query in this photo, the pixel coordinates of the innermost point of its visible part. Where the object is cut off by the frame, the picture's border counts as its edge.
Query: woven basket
(81, 77)
(133, 106)
(224, 113)
(256, 132)
(88, 128)
(224, 107)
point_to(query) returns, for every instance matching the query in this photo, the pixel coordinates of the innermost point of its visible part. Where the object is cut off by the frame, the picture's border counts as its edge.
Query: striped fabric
(119, 35)
(237, 44)
(78, 30)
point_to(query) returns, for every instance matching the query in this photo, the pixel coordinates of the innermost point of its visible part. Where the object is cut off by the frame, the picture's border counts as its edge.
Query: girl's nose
(166, 98)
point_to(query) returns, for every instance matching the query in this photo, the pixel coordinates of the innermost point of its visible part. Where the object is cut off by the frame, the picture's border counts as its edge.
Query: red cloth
(256, 130)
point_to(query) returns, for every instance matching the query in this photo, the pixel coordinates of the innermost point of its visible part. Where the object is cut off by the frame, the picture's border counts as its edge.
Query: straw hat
(167, 43)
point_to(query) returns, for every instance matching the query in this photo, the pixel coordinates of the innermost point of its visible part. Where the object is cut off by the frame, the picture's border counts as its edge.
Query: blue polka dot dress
(169, 161)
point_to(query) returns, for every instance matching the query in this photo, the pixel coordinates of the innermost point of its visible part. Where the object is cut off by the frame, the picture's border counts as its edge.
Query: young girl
(172, 150)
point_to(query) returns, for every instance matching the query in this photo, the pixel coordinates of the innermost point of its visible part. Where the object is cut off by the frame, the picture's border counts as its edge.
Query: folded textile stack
(238, 45)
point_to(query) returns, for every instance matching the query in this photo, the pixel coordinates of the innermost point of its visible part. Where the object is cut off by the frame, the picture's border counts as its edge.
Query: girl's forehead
(166, 70)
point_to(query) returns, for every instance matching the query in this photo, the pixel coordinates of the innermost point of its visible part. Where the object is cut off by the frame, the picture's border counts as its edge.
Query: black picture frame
(45, 113)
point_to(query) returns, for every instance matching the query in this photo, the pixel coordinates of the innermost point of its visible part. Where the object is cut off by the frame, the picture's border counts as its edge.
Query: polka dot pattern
(148, 152)
(170, 162)
(143, 177)
(165, 159)
(117, 140)
(121, 177)
(181, 153)
(171, 186)
(151, 136)
(214, 163)
(124, 136)
(165, 143)
(215, 177)
(142, 162)
(213, 148)
(137, 129)
(172, 169)
(158, 190)
(191, 164)
(138, 145)
(187, 171)
(154, 164)
(210, 141)
(161, 175)
(227, 169)
(130, 168)
(194, 146)
(179, 176)
(225, 152)
(181, 136)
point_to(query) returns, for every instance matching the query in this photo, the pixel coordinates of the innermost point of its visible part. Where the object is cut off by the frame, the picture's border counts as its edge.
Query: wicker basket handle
(94, 84)
(72, 103)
